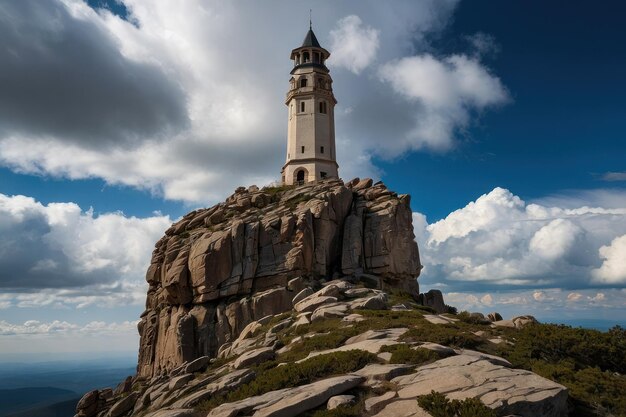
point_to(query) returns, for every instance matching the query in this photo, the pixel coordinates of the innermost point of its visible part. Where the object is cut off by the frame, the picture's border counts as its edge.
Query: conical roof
(311, 40)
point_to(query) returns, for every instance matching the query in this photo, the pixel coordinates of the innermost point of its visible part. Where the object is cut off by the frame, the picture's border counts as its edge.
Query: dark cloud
(61, 76)
(59, 246)
(29, 261)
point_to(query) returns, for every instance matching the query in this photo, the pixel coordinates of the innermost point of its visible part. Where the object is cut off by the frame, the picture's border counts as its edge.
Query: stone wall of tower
(311, 123)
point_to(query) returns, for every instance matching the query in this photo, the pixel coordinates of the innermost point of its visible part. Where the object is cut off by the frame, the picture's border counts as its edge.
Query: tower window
(323, 107)
(303, 149)
(323, 174)
(303, 82)
(321, 149)
(302, 106)
(305, 57)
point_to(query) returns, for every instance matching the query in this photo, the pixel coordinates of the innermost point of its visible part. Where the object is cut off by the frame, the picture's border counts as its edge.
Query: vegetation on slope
(271, 377)
(438, 405)
(588, 362)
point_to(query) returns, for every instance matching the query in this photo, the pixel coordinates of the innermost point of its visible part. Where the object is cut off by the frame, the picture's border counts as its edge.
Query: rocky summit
(217, 270)
(289, 301)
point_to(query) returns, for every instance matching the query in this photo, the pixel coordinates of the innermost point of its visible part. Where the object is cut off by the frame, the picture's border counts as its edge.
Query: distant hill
(60, 409)
(16, 400)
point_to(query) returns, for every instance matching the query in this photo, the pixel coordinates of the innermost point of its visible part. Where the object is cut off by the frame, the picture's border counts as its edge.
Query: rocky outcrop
(218, 269)
(380, 384)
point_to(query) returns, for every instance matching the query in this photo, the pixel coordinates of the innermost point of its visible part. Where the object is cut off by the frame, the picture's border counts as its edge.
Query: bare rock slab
(509, 391)
(403, 408)
(309, 396)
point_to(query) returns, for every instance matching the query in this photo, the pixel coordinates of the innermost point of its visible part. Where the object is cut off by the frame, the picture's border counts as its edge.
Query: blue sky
(504, 121)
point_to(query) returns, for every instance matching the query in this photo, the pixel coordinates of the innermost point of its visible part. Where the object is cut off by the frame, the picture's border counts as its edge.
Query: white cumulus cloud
(353, 44)
(499, 239)
(71, 256)
(444, 93)
(613, 269)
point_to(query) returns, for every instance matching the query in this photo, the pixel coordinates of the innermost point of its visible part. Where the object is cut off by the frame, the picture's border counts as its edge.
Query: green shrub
(467, 317)
(588, 362)
(451, 310)
(552, 343)
(448, 335)
(402, 353)
(271, 378)
(439, 406)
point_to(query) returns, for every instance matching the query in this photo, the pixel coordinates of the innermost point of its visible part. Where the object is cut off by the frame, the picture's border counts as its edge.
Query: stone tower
(311, 128)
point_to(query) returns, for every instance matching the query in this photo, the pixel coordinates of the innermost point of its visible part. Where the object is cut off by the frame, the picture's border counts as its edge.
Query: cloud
(574, 296)
(63, 75)
(500, 241)
(353, 44)
(613, 269)
(170, 100)
(443, 93)
(614, 176)
(56, 327)
(71, 256)
(552, 304)
(483, 44)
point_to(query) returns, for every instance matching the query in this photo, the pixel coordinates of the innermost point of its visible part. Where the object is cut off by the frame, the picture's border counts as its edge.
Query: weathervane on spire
(310, 19)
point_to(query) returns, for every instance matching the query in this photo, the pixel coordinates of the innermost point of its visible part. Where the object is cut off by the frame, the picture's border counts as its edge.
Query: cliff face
(219, 269)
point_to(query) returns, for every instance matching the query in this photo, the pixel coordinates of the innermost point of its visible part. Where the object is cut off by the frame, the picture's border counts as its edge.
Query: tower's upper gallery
(310, 54)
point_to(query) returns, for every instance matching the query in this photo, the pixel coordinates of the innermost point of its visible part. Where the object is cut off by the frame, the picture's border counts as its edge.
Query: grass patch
(271, 378)
(438, 405)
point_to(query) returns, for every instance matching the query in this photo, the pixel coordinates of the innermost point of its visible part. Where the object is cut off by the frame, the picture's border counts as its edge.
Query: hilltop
(288, 301)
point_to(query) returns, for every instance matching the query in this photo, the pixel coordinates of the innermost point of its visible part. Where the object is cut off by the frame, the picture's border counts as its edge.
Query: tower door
(301, 176)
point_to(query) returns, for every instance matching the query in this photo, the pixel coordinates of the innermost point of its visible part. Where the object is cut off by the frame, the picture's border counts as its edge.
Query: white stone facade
(311, 127)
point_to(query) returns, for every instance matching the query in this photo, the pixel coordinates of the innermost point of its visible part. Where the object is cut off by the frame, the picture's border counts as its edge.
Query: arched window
(302, 107)
(323, 108)
(303, 82)
(305, 57)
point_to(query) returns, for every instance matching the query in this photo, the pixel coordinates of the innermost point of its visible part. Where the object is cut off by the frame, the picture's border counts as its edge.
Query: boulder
(338, 400)
(374, 404)
(88, 405)
(494, 316)
(253, 357)
(313, 302)
(228, 382)
(377, 302)
(124, 405)
(302, 295)
(197, 365)
(124, 386)
(434, 300)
